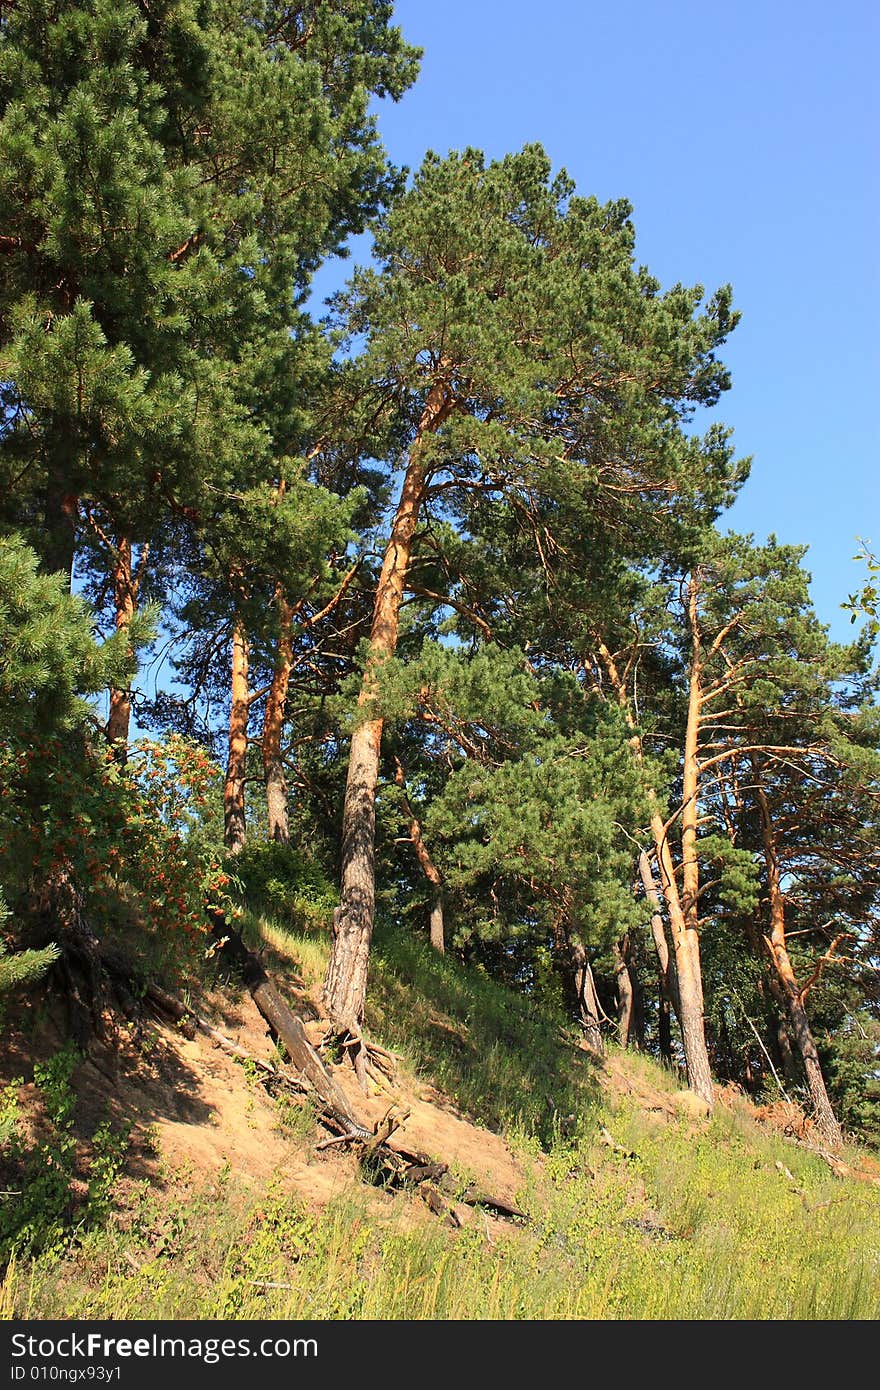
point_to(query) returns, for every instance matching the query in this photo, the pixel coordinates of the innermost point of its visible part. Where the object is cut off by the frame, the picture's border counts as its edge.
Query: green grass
(697, 1223)
(695, 1228)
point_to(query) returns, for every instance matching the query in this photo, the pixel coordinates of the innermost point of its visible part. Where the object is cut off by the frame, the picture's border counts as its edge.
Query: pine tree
(171, 178)
(531, 359)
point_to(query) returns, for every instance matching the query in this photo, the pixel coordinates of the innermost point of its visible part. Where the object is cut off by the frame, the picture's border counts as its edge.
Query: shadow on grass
(502, 1059)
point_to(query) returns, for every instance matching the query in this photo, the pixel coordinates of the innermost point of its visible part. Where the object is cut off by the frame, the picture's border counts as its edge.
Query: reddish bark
(125, 588)
(273, 725)
(792, 992)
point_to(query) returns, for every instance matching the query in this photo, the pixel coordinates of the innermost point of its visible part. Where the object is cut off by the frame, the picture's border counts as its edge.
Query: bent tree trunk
(345, 985)
(233, 787)
(801, 1032)
(273, 724)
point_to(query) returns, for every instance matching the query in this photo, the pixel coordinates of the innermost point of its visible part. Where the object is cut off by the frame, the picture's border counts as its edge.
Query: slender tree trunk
(690, 992)
(273, 725)
(233, 789)
(125, 602)
(770, 981)
(633, 966)
(826, 1120)
(664, 1021)
(426, 863)
(683, 906)
(436, 928)
(588, 1000)
(685, 938)
(666, 972)
(345, 984)
(690, 870)
(625, 992)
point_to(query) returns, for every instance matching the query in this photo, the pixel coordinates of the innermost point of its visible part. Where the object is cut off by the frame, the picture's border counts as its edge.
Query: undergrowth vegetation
(679, 1220)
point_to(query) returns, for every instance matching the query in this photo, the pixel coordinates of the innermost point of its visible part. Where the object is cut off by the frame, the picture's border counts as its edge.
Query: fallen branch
(287, 1027)
(183, 1014)
(837, 1165)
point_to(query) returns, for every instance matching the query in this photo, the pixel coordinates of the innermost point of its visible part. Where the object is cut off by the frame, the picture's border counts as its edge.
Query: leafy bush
(39, 1211)
(280, 881)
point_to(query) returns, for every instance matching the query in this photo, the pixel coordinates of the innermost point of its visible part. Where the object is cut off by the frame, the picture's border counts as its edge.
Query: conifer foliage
(451, 609)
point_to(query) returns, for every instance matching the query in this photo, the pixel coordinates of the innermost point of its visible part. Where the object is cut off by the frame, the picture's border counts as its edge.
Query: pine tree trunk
(273, 725)
(589, 1006)
(437, 932)
(685, 937)
(625, 993)
(125, 602)
(664, 1021)
(426, 863)
(58, 542)
(345, 985)
(683, 908)
(786, 1053)
(801, 1032)
(666, 972)
(233, 789)
(690, 871)
(690, 992)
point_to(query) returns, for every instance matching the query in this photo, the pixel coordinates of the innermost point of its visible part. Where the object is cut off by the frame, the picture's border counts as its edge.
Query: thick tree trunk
(436, 928)
(801, 1032)
(273, 725)
(345, 984)
(591, 1012)
(625, 993)
(58, 541)
(233, 789)
(125, 602)
(426, 863)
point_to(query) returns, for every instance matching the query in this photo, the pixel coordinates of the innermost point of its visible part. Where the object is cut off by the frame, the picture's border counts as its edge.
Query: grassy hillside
(634, 1210)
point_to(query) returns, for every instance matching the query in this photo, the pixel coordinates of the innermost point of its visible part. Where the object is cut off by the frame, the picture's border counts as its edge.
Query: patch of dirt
(192, 1109)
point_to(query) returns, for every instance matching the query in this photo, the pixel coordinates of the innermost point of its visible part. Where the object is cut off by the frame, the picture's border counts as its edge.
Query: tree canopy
(453, 612)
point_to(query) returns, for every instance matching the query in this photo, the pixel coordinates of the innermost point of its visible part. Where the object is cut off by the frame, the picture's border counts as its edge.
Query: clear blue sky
(746, 137)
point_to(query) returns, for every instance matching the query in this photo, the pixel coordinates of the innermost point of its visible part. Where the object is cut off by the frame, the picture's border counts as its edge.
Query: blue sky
(746, 138)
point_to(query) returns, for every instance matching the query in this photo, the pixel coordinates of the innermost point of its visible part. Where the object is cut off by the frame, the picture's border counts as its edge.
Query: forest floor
(222, 1202)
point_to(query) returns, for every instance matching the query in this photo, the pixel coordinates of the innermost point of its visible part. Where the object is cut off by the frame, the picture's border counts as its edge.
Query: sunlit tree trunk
(273, 726)
(345, 984)
(801, 1032)
(683, 923)
(233, 789)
